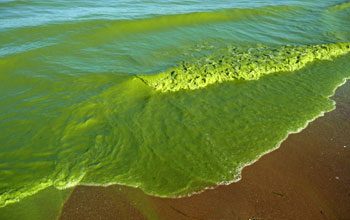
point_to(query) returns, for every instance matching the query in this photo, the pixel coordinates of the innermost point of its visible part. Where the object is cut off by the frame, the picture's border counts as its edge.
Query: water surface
(74, 109)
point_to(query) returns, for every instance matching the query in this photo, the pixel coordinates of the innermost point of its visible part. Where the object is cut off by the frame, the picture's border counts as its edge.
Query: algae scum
(171, 103)
(247, 65)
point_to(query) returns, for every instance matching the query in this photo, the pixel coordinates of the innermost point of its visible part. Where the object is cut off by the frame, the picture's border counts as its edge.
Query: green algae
(239, 64)
(72, 111)
(342, 6)
(168, 144)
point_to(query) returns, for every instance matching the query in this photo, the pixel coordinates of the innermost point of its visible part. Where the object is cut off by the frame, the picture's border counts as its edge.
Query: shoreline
(277, 146)
(307, 177)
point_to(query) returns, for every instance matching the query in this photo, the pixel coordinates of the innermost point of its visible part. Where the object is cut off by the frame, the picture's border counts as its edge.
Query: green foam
(241, 64)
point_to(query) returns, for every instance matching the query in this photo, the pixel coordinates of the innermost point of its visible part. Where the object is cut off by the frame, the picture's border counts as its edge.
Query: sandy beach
(308, 177)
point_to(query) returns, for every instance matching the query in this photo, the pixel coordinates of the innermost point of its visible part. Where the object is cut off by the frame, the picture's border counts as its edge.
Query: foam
(241, 64)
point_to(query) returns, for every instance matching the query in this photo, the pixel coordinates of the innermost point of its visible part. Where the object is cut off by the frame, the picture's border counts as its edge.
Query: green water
(79, 104)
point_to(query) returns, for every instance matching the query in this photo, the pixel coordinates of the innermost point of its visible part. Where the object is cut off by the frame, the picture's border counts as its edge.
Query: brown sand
(308, 177)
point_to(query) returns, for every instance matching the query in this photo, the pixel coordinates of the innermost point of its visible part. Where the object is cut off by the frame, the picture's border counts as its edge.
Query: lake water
(88, 94)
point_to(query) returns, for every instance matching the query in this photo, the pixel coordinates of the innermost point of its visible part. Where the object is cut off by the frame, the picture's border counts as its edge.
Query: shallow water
(74, 110)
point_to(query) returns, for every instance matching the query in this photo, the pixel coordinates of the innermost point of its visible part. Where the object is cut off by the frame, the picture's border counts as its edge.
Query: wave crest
(237, 64)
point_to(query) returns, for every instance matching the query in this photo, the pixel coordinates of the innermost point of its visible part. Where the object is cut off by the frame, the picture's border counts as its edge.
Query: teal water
(88, 95)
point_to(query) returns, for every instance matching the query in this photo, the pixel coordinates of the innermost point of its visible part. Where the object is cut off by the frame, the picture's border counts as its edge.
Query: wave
(202, 138)
(105, 29)
(119, 28)
(239, 64)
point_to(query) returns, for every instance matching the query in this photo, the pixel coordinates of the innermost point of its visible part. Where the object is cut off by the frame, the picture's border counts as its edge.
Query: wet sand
(308, 177)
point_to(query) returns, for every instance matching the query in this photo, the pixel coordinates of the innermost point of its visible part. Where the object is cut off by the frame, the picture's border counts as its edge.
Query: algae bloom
(236, 64)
